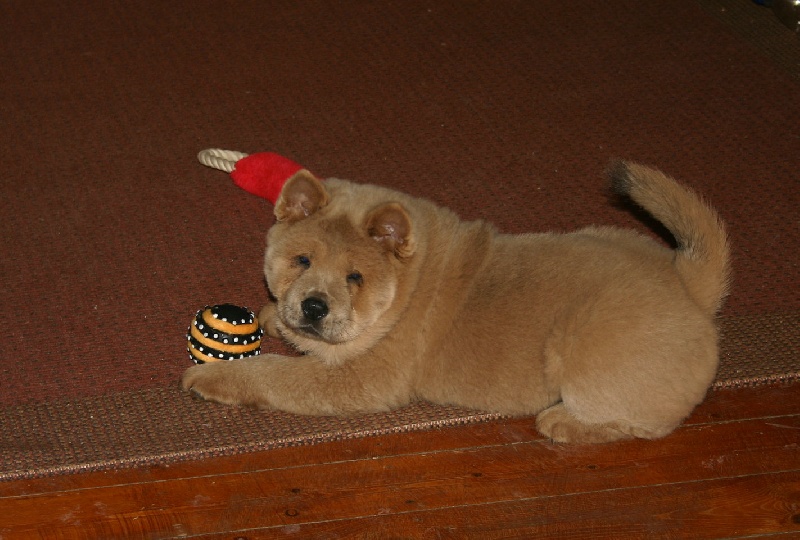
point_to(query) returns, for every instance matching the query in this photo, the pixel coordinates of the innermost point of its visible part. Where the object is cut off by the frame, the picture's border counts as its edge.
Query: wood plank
(422, 481)
(762, 505)
(725, 404)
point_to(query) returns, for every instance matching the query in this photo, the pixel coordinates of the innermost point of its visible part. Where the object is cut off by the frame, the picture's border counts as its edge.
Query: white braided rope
(217, 158)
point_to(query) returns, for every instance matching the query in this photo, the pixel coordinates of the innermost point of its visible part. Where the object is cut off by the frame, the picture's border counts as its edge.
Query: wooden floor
(732, 471)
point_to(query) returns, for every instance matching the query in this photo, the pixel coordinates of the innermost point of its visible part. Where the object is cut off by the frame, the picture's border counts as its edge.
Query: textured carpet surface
(112, 235)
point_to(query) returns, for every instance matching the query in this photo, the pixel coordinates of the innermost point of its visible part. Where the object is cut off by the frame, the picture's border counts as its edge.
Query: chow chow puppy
(602, 333)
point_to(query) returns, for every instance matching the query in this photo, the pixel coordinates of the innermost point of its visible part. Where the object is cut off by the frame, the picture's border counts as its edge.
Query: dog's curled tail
(703, 254)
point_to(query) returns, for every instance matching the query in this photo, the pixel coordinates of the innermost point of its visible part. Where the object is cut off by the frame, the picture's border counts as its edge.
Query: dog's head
(334, 262)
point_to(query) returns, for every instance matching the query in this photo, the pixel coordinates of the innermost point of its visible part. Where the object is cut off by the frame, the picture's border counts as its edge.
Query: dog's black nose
(314, 308)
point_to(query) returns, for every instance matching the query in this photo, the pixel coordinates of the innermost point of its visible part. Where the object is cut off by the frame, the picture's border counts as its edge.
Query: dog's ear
(390, 225)
(302, 195)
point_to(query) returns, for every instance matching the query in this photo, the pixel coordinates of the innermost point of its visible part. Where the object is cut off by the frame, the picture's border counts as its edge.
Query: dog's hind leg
(561, 425)
(640, 380)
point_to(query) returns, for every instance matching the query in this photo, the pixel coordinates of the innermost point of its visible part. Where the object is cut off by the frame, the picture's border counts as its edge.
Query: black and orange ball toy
(223, 332)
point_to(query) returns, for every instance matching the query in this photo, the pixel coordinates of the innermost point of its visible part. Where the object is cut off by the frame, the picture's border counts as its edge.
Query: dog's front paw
(267, 318)
(222, 382)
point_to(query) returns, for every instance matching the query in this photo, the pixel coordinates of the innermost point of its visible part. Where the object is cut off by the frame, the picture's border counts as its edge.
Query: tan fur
(604, 333)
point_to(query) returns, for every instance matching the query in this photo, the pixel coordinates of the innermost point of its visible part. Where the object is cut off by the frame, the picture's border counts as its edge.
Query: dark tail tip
(620, 175)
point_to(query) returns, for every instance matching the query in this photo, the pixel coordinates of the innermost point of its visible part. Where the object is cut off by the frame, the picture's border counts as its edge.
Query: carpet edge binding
(95, 434)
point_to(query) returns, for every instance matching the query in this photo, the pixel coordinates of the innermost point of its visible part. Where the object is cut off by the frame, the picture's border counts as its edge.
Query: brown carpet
(112, 235)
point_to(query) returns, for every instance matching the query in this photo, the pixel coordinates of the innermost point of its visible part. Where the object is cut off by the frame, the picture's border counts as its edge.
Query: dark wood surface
(732, 471)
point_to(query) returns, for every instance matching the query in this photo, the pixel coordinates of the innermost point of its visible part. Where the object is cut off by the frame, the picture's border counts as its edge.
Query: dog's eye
(302, 260)
(355, 278)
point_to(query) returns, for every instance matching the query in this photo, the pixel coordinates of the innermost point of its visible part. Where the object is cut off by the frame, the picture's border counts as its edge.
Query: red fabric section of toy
(264, 174)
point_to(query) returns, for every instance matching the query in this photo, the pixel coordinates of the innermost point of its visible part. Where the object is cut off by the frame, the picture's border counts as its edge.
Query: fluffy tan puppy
(603, 333)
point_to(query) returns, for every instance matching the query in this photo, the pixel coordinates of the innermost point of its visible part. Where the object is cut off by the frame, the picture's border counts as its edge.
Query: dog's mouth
(309, 330)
